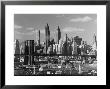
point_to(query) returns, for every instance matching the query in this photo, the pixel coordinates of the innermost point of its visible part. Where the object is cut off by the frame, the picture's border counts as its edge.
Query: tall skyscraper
(58, 34)
(47, 36)
(94, 40)
(65, 44)
(66, 38)
(36, 34)
(17, 50)
(74, 48)
(29, 51)
(17, 47)
(94, 46)
(22, 48)
(39, 38)
(60, 45)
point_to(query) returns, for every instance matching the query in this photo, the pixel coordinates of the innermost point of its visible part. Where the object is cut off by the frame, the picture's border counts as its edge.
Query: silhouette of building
(17, 51)
(95, 41)
(47, 36)
(17, 47)
(58, 34)
(39, 38)
(66, 38)
(64, 48)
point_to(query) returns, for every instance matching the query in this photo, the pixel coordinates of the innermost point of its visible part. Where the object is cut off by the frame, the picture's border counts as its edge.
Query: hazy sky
(82, 25)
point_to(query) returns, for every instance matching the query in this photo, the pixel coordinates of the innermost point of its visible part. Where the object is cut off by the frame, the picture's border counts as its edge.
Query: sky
(82, 25)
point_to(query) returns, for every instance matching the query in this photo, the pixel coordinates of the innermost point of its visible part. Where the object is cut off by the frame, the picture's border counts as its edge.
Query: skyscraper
(58, 34)
(47, 36)
(65, 44)
(94, 46)
(74, 48)
(29, 51)
(39, 38)
(17, 47)
(95, 40)
(17, 50)
(66, 38)
(22, 48)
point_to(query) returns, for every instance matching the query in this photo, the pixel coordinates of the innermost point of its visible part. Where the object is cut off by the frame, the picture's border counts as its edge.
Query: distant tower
(22, 48)
(94, 46)
(74, 47)
(66, 38)
(29, 51)
(94, 39)
(59, 34)
(47, 36)
(17, 47)
(65, 44)
(36, 35)
(39, 38)
(17, 50)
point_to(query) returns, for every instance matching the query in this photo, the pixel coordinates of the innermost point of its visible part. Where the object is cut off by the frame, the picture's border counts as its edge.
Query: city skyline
(66, 48)
(83, 25)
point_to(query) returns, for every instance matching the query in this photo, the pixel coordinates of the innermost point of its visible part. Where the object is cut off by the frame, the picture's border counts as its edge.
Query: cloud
(30, 33)
(83, 19)
(24, 33)
(17, 32)
(17, 26)
(73, 29)
(29, 28)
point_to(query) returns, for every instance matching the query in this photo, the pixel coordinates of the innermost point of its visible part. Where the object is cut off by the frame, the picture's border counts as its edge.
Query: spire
(47, 25)
(94, 39)
(39, 37)
(94, 45)
(58, 34)
(66, 37)
(47, 35)
(58, 28)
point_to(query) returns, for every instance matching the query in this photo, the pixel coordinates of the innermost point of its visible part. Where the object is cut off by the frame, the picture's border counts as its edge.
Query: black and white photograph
(55, 45)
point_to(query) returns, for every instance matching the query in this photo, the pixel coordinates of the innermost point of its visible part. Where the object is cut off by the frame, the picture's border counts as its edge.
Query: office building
(74, 48)
(39, 38)
(17, 47)
(29, 51)
(58, 34)
(17, 51)
(47, 37)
